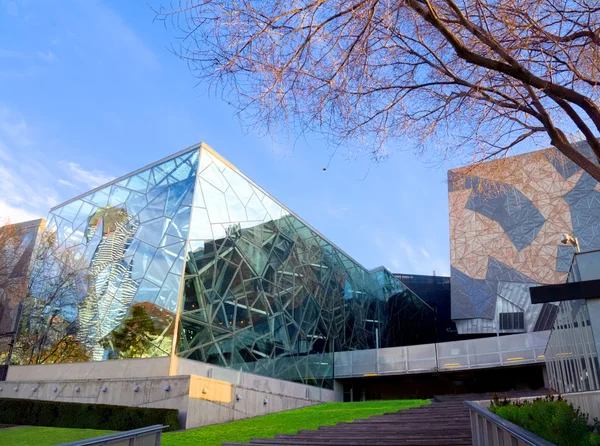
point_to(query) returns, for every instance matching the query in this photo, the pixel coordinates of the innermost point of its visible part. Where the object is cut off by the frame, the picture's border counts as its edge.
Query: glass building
(572, 351)
(189, 257)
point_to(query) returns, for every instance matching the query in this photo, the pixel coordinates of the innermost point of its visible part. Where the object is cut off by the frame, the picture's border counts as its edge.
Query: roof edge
(130, 174)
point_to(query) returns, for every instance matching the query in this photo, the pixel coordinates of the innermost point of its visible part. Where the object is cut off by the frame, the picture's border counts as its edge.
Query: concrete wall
(250, 395)
(125, 368)
(204, 394)
(119, 392)
(266, 385)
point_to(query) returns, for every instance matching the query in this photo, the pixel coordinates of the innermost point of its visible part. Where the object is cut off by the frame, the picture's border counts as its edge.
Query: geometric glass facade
(189, 257)
(507, 219)
(435, 291)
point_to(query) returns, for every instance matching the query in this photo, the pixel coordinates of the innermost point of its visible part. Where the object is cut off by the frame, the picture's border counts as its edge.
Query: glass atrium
(189, 257)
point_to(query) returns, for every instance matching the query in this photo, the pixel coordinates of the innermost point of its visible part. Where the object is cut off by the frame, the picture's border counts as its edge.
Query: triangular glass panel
(198, 197)
(182, 172)
(168, 296)
(205, 161)
(179, 227)
(187, 200)
(220, 165)
(152, 231)
(215, 203)
(86, 210)
(255, 209)
(201, 228)
(215, 177)
(154, 209)
(100, 198)
(274, 210)
(236, 209)
(118, 196)
(240, 185)
(136, 202)
(70, 211)
(156, 190)
(162, 262)
(146, 292)
(139, 182)
(169, 240)
(176, 194)
(162, 170)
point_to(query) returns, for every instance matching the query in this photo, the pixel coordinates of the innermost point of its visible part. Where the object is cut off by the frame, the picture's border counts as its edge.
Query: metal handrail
(104, 439)
(514, 430)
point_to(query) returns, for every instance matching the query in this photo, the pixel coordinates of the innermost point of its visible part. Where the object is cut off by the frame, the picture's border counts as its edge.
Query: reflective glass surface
(267, 294)
(107, 277)
(257, 289)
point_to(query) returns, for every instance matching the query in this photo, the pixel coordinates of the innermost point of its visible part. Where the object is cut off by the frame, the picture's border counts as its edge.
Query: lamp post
(568, 239)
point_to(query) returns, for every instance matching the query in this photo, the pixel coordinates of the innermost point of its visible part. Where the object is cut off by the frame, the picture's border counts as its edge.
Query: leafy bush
(85, 416)
(551, 418)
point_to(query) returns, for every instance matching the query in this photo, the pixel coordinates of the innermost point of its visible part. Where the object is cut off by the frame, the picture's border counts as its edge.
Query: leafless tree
(46, 333)
(12, 284)
(15, 255)
(478, 76)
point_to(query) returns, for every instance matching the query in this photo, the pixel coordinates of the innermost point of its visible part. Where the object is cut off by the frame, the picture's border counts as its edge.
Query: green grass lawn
(267, 426)
(46, 436)
(288, 422)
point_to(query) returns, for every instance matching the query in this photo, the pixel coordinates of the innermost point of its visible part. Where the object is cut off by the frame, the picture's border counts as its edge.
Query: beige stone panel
(210, 389)
(123, 368)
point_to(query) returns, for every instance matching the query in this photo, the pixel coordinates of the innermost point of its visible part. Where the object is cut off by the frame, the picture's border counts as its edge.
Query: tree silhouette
(475, 76)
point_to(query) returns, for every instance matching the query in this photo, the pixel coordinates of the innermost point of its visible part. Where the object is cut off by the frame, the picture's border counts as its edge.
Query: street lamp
(568, 239)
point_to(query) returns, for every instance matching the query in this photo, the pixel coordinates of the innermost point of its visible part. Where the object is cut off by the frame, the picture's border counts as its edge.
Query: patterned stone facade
(507, 219)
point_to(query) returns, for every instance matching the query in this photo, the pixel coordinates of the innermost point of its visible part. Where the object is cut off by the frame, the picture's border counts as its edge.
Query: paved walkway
(445, 422)
(440, 423)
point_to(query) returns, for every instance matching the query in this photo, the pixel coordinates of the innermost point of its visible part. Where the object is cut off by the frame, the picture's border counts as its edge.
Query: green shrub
(551, 418)
(84, 416)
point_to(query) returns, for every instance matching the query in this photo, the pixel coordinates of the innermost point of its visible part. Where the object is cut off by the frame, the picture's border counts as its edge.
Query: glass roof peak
(202, 146)
(130, 174)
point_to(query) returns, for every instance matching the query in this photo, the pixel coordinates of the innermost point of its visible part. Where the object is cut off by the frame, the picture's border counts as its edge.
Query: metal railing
(489, 429)
(145, 436)
(498, 351)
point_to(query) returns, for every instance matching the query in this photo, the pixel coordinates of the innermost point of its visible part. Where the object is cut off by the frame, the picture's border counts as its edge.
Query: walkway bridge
(492, 352)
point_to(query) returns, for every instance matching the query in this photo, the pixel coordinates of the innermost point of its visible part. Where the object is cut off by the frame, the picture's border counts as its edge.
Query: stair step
(445, 423)
(405, 436)
(361, 442)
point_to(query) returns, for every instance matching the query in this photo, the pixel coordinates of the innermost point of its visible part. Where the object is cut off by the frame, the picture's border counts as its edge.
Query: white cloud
(91, 178)
(28, 177)
(12, 8)
(332, 209)
(46, 57)
(10, 54)
(122, 40)
(4, 155)
(66, 183)
(13, 127)
(15, 214)
(402, 255)
(22, 197)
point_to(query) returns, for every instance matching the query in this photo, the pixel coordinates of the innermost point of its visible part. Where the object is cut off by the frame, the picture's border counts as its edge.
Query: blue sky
(89, 91)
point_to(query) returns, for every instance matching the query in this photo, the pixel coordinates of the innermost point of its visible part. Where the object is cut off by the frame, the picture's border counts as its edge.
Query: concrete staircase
(444, 423)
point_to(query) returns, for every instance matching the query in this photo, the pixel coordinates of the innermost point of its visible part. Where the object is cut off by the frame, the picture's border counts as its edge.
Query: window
(512, 321)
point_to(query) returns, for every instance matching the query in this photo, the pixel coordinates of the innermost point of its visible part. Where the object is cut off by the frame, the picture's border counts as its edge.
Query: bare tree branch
(479, 76)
